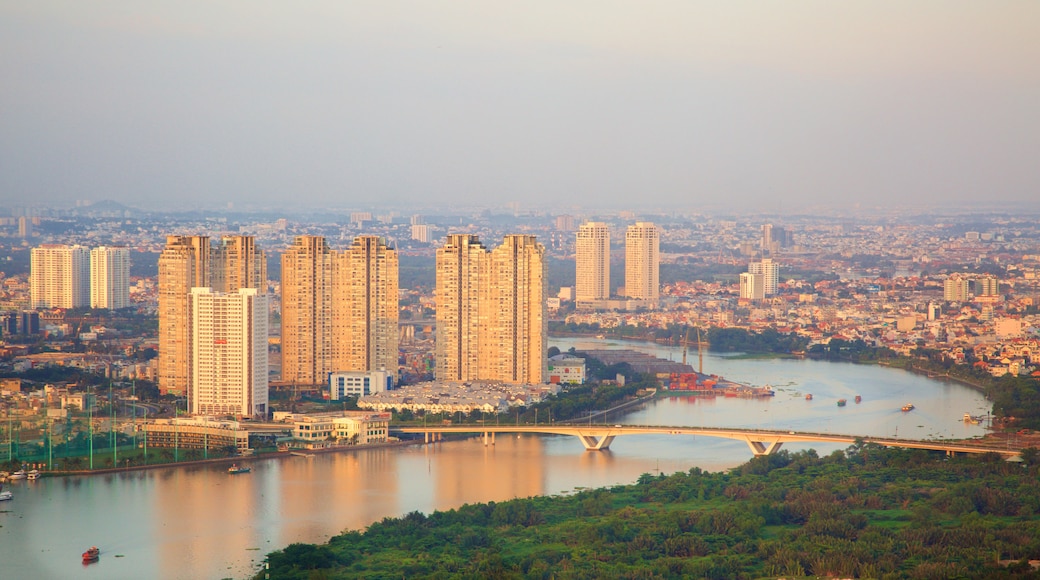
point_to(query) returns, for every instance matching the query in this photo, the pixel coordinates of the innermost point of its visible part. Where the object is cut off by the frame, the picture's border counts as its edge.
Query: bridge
(761, 441)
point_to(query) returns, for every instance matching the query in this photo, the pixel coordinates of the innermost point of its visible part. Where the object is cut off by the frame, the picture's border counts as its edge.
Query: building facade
(306, 311)
(492, 318)
(752, 286)
(344, 384)
(110, 277)
(59, 276)
(955, 289)
(183, 265)
(642, 261)
(770, 272)
(592, 262)
(228, 362)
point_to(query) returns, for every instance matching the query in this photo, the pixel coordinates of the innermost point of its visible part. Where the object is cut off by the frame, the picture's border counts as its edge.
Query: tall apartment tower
(767, 238)
(592, 262)
(59, 276)
(237, 263)
(365, 307)
(642, 261)
(492, 318)
(183, 265)
(306, 311)
(227, 372)
(752, 286)
(461, 280)
(339, 309)
(770, 272)
(109, 277)
(987, 286)
(955, 289)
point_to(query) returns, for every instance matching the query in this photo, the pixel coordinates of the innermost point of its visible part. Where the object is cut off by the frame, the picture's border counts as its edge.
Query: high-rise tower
(365, 307)
(461, 277)
(238, 263)
(59, 276)
(517, 317)
(183, 265)
(227, 372)
(592, 262)
(642, 261)
(306, 311)
(109, 277)
(770, 272)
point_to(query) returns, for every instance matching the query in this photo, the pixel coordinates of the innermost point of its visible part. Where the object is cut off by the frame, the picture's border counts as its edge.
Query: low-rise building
(197, 433)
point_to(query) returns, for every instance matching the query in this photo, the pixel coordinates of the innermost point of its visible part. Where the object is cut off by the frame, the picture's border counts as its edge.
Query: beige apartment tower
(461, 279)
(339, 309)
(59, 276)
(592, 262)
(365, 307)
(492, 320)
(306, 311)
(642, 261)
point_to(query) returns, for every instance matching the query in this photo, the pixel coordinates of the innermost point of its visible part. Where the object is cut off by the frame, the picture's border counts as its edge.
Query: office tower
(642, 261)
(306, 311)
(518, 320)
(565, 223)
(752, 286)
(228, 362)
(365, 307)
(955, 289)
(237, 263)
(109, 277)
(461, 275)
(770, 274)
(767, 238)
(183, 265)
(25, 227)
(592, 262)
(60, 276)
(987, 286)
(421, 233)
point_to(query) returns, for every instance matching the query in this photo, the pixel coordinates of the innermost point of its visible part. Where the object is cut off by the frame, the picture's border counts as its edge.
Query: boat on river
(93, 554)
(841, 402)
(237, 469)
(858, 399)
(908, 407)
(20, 474)
(808, 397)
(5, 494)
(33, 475)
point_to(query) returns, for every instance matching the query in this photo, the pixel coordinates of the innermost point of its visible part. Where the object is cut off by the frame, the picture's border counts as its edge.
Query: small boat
(5, 495)
(91, 555)
(808, 397)
(235, 468)
(908, 407)
(33, 475)
(841, 402)
(967, 417)
(20, 474)
(859, 399)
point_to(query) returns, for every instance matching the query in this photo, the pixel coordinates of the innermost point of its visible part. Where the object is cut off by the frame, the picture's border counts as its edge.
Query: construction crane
(700, 351)
(685, 345)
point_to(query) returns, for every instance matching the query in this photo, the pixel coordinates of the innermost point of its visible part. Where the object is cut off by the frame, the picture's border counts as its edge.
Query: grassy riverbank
(868, 512)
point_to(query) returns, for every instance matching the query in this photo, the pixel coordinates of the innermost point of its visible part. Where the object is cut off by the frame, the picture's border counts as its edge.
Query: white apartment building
(109, 277)
(359, 383)
(770, 272)
(227, 367)
(592, 262)
(59, 276)
(642, 261)
(752, 286)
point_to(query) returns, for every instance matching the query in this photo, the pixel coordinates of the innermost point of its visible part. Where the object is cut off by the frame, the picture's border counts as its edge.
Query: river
(201, 522)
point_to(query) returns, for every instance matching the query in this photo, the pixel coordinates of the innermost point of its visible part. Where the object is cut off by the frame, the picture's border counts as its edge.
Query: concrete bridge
(760, 441)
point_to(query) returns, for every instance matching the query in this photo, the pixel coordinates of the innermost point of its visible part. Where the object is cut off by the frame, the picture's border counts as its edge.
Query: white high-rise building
(59, 276)
(227, 368)
(642, 261)
(592, 262)
(109, 277)
(752, 286)
(770, 274)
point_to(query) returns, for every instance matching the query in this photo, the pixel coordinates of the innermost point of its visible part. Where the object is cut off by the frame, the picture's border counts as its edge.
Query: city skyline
(690, 105)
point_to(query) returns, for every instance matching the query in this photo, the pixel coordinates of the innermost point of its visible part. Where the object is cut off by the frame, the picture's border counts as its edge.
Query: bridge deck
(761, 441)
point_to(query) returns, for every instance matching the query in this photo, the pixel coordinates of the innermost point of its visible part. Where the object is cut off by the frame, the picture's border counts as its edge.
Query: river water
(200, 522)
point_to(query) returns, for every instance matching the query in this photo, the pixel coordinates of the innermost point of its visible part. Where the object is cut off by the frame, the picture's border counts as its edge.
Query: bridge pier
(763, 447)
(486, 438)
(593, 443)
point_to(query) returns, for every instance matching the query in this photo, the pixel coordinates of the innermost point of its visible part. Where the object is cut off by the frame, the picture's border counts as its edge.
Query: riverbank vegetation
(868, 512)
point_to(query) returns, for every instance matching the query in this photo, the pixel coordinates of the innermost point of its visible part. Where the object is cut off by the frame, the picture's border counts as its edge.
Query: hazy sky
(766, 105)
